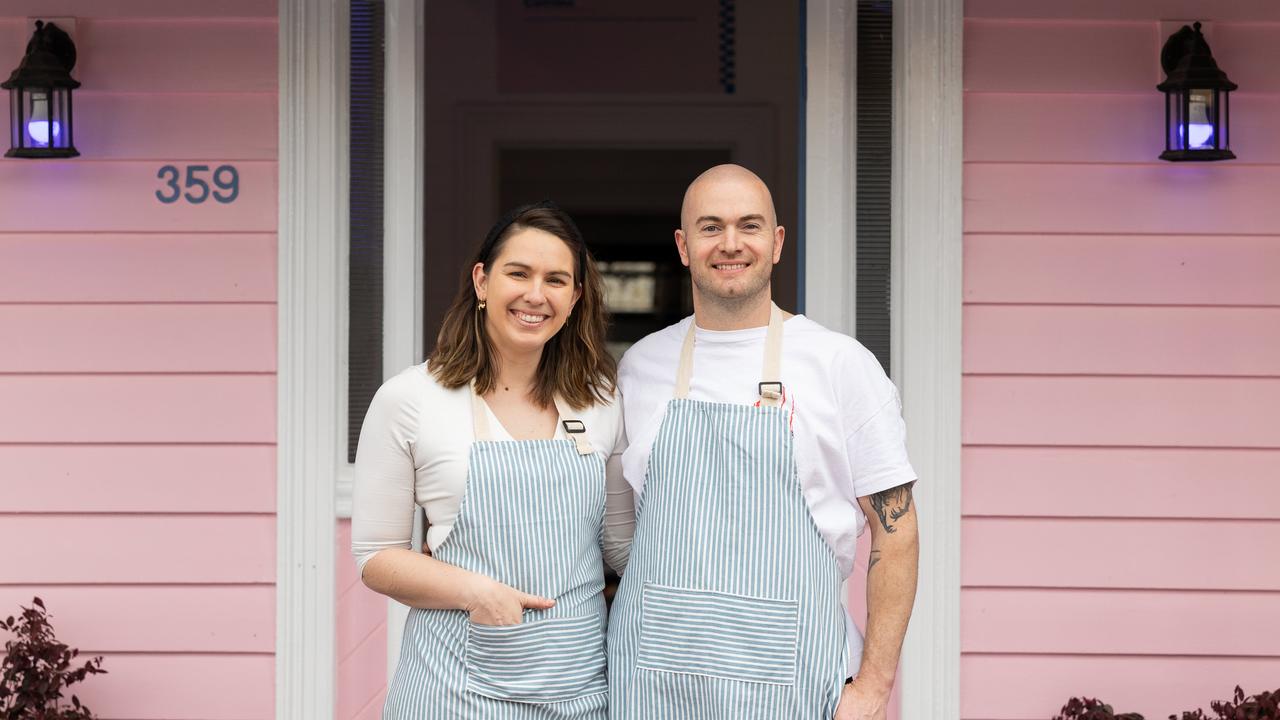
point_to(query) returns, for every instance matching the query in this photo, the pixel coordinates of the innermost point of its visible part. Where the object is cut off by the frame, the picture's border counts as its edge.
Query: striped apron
(730, 605)
(531, 518)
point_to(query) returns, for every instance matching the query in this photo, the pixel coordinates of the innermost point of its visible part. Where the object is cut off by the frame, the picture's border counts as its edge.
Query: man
(760, 444)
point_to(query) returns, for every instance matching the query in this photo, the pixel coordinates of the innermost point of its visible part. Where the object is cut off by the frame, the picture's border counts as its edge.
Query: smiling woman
(508, 611)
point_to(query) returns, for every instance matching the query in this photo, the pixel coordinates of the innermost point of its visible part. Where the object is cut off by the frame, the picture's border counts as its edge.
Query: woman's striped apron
(730, 606)
(531, 518)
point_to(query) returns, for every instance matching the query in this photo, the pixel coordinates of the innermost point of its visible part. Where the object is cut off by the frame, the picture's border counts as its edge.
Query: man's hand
(858, 701)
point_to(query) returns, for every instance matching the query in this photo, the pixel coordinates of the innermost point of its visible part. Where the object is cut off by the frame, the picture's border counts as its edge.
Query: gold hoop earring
(481, 305)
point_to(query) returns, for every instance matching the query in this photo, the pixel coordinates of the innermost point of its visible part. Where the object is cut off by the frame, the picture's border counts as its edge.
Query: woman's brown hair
(575, 363)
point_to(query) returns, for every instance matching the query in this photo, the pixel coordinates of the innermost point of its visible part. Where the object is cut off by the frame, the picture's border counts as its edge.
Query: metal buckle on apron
(771, 393)
(577, 431)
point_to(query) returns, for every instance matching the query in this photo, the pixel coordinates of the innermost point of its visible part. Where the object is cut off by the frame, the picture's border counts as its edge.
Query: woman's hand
(493, 603)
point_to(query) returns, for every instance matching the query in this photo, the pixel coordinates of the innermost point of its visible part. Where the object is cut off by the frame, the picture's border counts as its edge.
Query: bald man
(761, 443)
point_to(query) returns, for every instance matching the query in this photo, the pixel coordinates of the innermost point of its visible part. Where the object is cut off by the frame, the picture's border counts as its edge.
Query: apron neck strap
(479, 416)
(770, 386)
(575, 430)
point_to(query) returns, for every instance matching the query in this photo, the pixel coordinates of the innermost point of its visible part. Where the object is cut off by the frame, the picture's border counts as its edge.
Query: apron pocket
(732, 637)
(539, 662)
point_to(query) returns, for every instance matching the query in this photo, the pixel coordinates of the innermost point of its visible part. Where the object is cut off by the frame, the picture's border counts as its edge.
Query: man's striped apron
(730, 605)
(531, 518)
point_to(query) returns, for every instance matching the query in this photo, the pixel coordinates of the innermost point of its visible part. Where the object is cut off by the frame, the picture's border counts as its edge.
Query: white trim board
(830, 168)
(926, 247)
(312, 252)
(926, 281)
(402, 342)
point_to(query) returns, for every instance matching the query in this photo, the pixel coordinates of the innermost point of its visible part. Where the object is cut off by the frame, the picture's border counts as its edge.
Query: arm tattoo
(891, 505)
(875, 558)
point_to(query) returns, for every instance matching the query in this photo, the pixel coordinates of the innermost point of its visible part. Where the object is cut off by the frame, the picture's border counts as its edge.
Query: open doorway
(610, 110)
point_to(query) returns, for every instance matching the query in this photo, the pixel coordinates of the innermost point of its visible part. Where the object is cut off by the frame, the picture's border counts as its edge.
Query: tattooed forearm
(891, 505)
(875, 558)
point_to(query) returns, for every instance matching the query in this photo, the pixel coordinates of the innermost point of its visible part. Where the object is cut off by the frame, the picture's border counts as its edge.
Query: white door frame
(926, 248)
(926, 241)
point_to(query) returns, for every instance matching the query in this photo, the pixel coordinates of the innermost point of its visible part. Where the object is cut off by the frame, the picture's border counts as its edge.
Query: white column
(312, 284)
(926, 300)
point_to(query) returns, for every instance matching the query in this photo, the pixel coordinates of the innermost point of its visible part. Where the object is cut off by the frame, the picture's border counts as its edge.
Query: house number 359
(195, 187)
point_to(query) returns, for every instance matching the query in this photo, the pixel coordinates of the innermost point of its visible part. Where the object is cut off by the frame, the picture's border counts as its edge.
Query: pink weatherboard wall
(1121, 461)
(138, 359)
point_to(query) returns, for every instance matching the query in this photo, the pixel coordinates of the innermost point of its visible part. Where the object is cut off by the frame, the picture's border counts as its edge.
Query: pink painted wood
(125, 618)
(232, 127)
(93, 549)
(186, 9)
(141, 505)
(362, 637)
(1050, 56)
(138, 408)
(121, 197)
(1249, 54)
(200, 55)
(1121, 357)
(1134, 554)
(183, 687)
(1122, 622)
(139, 338)
(1122, 341)
(137, 479)
(1119, 269)
(1129, 10)
(1137, 483)
(137, 268)
(1122, 411)
(1100, 127)
(1020, 687)
(1116, 199)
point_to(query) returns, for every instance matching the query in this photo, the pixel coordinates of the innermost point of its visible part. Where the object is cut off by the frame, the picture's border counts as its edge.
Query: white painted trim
(927, 241)
(830, 181)
(402, 342)
(313, 57)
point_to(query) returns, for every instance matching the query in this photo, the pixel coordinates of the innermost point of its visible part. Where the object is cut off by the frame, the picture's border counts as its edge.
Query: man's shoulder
(832, 356)
(806, 336)
(655, 348)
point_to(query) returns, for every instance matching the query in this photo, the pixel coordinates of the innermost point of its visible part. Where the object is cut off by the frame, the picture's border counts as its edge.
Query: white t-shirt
(413, 451)
(850, 440)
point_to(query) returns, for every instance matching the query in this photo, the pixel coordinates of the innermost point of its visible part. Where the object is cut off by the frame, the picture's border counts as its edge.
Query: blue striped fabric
(730, 606)
(537, 662)
(531, 517)
(711, 633)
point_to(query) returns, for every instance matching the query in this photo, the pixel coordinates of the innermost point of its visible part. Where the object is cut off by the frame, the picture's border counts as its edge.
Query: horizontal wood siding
(362, 638)
(137, 372)
(1121, 467)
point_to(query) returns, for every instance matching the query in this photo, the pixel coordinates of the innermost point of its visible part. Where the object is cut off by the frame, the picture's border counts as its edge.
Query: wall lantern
(1196, 105)
(40, 96)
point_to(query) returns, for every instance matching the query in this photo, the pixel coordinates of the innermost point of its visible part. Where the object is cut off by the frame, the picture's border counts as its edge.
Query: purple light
(38, 131)
(1201, 136)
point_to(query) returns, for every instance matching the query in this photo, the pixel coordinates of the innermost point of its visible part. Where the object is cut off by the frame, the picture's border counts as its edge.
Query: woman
(507, 436)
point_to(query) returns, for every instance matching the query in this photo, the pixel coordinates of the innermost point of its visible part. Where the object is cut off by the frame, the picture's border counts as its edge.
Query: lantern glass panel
(15, 125)
(37, 118)
(62, 137)
(1176, 120)
(1202, 120)
(1224, 124)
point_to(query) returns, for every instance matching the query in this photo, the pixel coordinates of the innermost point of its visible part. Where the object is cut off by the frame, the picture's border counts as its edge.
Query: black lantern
(1196, 105)
(40, 96)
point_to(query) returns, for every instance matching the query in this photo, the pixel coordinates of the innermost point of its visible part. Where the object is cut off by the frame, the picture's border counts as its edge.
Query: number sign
(194, 187)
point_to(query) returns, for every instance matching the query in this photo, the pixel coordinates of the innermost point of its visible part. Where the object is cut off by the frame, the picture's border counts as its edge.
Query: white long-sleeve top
(413, 451)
